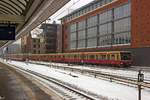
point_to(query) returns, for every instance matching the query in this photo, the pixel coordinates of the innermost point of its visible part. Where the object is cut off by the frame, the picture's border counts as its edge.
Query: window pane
(92, 21)
(72, 27)
(105, 17)
(92, 42)
(81, 34)
(73, 36)
(122, 38)
(81, 44)
(105, 40)
(81, 25)
(92, 32)
(122, 25)
(73, 45)
(122, 11)
(105, 29)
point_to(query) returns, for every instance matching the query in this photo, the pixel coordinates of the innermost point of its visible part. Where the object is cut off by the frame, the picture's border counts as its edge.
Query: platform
(14, 86)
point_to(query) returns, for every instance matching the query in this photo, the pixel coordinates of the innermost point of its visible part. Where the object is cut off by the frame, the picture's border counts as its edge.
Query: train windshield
(125, 56)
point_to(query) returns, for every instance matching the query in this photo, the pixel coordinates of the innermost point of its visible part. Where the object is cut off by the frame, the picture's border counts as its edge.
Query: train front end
(125, 58)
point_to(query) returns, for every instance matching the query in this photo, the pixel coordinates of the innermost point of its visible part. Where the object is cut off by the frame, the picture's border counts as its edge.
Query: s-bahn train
(113, 58)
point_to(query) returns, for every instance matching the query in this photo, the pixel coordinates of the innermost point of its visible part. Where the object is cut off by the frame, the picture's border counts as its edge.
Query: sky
(68, 8)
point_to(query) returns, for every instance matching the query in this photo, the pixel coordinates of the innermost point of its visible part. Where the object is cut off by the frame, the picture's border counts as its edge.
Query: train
(112, 58)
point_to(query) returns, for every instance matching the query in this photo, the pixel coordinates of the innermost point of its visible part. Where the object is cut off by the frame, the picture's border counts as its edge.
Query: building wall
(140, 37)
(36, 46)
(59, 39)
(26, 43)
(140, 23)
(50, 37)
(31, 45)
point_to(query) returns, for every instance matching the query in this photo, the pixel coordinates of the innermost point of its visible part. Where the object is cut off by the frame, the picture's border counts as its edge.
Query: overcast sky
(72, 5)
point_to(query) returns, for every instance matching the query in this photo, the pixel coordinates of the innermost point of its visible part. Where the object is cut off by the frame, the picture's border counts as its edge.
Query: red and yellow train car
(113, 58)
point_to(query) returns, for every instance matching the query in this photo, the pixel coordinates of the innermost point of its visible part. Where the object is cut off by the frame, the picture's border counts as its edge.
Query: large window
(122, 11)
(92, 42)
(81, 43)
(122, 25)
(105, 40)
(92, 32)
(105, 29)
(92, 21)
(81, 34)
(73, 27)
(105, 17)
(122, 38)
(73, 36)
(73, 45)
(81, 25)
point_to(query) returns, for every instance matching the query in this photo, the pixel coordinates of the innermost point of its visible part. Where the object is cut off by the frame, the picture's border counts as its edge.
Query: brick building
(109, 25)
(49, 36)
(45, 42)
(31, 45)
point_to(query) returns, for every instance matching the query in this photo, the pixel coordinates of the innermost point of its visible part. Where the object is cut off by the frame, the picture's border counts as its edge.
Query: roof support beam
(12, 18)
(43, 12)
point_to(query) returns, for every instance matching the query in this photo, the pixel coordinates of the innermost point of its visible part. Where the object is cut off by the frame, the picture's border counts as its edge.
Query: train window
(125, 56)
(113, 57)
(75, 56)
(82, 56)
(96, 57)
(117, 55)
(103, 57)
(99, 57)
(108, 57)
(68, 56)
(92, 56)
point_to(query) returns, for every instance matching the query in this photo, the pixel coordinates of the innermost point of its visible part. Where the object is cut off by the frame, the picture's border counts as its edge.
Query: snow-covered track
(128, 80)
(68, 92)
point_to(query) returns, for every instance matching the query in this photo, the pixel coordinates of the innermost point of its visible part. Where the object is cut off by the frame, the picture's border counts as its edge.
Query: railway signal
(140, 79)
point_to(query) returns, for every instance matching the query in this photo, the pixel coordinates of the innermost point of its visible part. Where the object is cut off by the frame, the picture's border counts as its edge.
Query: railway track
(65, 90)
(108, 76)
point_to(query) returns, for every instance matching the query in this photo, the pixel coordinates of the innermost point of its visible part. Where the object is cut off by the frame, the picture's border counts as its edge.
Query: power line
(74, 3)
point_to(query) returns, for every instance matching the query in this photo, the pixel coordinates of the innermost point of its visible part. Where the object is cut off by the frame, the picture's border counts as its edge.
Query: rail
(105, 75)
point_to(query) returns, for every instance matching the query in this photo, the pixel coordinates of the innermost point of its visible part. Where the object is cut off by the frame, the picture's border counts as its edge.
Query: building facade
(31, 45)
(26, 43)
(49, 36)
(45, 42)
(109, 25)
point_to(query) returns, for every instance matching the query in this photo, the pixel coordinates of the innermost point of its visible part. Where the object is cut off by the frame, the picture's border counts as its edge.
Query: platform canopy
(25, 15)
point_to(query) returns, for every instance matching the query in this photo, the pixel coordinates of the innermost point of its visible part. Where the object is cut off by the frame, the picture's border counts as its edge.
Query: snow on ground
(104, 88)
(120, 72)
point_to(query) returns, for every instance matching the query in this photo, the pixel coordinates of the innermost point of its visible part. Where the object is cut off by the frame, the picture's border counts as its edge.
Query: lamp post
(140, 80)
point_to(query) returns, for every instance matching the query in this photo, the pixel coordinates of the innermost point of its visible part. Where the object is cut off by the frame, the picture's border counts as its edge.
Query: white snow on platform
(108, 89)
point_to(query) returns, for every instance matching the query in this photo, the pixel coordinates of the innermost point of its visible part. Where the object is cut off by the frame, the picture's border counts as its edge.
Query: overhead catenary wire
(67, 9)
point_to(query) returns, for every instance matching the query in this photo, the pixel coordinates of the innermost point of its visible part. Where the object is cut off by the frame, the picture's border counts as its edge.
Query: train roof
(77, 53)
